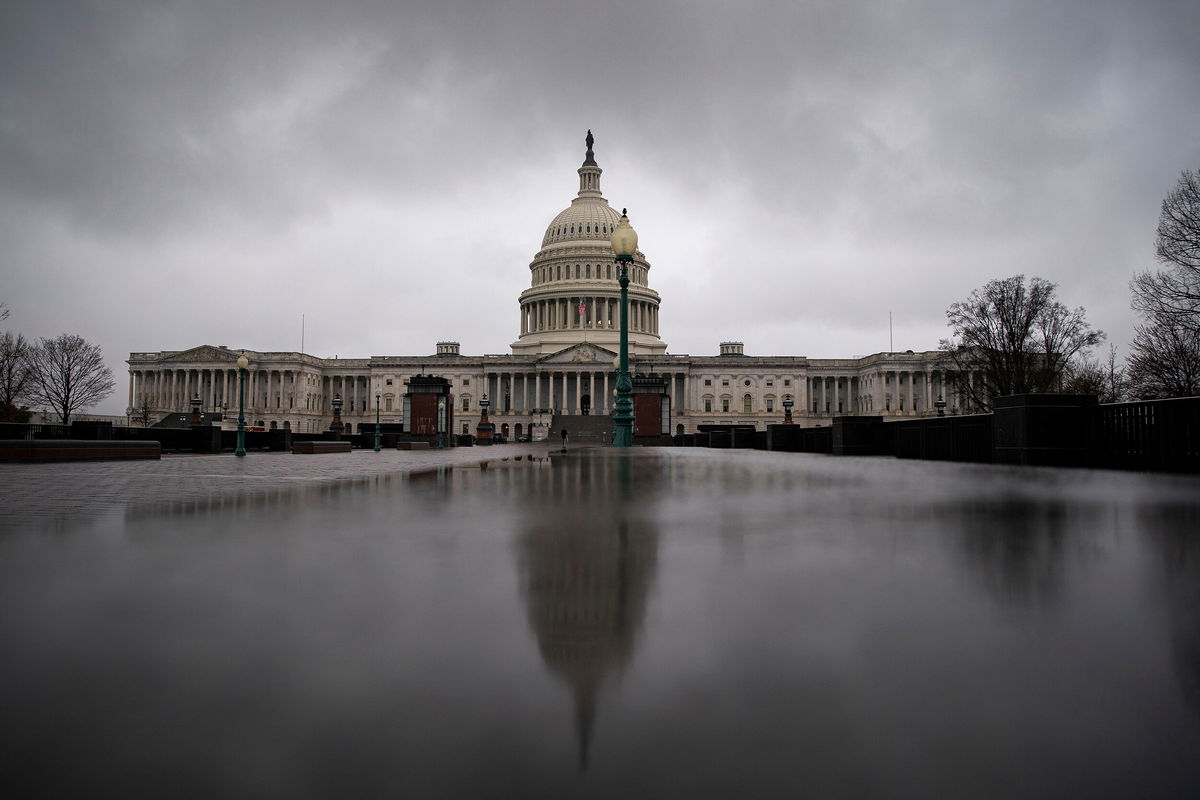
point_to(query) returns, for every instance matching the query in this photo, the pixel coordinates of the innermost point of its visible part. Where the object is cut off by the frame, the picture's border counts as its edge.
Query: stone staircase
(592, 429)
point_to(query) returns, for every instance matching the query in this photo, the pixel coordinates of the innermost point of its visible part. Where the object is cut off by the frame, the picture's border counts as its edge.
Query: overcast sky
(180, 173)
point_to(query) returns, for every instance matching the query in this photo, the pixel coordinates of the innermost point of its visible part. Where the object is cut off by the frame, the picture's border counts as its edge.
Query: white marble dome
(574, 292)
(586, 219)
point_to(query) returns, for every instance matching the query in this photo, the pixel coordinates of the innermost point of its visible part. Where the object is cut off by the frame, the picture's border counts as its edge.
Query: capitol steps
(592, 428)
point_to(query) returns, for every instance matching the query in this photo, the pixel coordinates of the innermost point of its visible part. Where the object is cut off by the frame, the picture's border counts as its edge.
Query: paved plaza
(69, 489)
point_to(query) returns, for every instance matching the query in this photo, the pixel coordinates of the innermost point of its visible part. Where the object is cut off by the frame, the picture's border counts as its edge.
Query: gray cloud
(796, 170)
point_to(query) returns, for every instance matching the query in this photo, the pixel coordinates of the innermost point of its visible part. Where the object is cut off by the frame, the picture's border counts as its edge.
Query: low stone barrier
(412, 445)
(76, 450)
(855, 436)
(321, 446)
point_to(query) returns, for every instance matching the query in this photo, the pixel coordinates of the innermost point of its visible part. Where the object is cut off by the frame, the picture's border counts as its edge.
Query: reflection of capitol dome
(585, 579)
(574, 295)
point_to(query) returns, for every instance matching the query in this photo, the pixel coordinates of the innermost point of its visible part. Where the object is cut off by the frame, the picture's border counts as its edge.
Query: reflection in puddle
(586, 566)
(679, 623)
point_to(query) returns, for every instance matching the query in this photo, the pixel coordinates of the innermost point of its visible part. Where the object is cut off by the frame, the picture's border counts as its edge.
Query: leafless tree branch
(1015, 337)
(69, 374)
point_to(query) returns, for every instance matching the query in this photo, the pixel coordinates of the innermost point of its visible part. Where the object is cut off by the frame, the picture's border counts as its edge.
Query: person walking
(564, 440)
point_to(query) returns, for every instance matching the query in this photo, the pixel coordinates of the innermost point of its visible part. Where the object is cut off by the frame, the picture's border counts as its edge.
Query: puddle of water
(617, 624)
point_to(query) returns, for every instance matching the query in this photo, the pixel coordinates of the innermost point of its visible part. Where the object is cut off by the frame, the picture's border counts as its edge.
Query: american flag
(582, 309)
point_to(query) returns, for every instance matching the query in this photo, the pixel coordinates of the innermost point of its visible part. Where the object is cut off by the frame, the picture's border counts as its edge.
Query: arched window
(608, 271)
(747, 404)
(587, 271)
(708, 403)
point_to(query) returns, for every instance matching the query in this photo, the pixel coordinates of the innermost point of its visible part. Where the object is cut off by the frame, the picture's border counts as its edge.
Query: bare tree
(1015, 338)
(1164, 360)
(69, 374)
(1103, 378)
(1173, 295)
(14, 376)
(143, 412)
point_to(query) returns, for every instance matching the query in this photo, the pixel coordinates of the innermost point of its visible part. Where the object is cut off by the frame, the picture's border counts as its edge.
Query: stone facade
(562, 361)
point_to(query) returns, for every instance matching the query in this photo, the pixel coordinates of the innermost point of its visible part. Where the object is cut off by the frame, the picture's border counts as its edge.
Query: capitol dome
(574, 291)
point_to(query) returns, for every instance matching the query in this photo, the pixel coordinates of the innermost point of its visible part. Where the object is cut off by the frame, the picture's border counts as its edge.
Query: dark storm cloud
(854, 158)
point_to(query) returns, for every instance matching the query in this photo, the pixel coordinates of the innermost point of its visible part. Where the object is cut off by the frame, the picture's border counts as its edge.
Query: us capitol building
(561, 363)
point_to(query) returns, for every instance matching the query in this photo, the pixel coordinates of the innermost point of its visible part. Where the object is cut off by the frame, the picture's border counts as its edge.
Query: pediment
(583, 353)
(207, 353)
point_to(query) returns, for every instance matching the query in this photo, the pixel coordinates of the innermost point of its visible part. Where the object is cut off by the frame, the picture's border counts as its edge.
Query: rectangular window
(708, 404)
(466, 404)
(387, 404)
(725, 404)
(466, 381)
(724, 383)
(770, 383)
(708, 381)
(787, 381)
(770, 404)
(389, 381)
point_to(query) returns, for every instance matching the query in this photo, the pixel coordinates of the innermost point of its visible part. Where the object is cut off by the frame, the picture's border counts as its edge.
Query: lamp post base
(623, 417)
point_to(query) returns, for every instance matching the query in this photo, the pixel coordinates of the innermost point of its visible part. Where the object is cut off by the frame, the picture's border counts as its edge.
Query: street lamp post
(441, 432)
(336, 426)
(624, 246)
(242, 363)
(378, 439)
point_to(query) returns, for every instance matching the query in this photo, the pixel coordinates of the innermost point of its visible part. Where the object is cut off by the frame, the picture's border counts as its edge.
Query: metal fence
(1154, 435)
(30, 431)
(954, 438)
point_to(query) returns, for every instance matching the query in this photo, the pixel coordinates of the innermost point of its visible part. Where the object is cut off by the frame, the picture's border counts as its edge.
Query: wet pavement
(651, 623)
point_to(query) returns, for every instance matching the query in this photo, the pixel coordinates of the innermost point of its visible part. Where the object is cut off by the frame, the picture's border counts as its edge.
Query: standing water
(610, 624)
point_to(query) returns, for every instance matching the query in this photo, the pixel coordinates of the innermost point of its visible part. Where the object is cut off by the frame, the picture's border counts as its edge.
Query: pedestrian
(564, 440)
